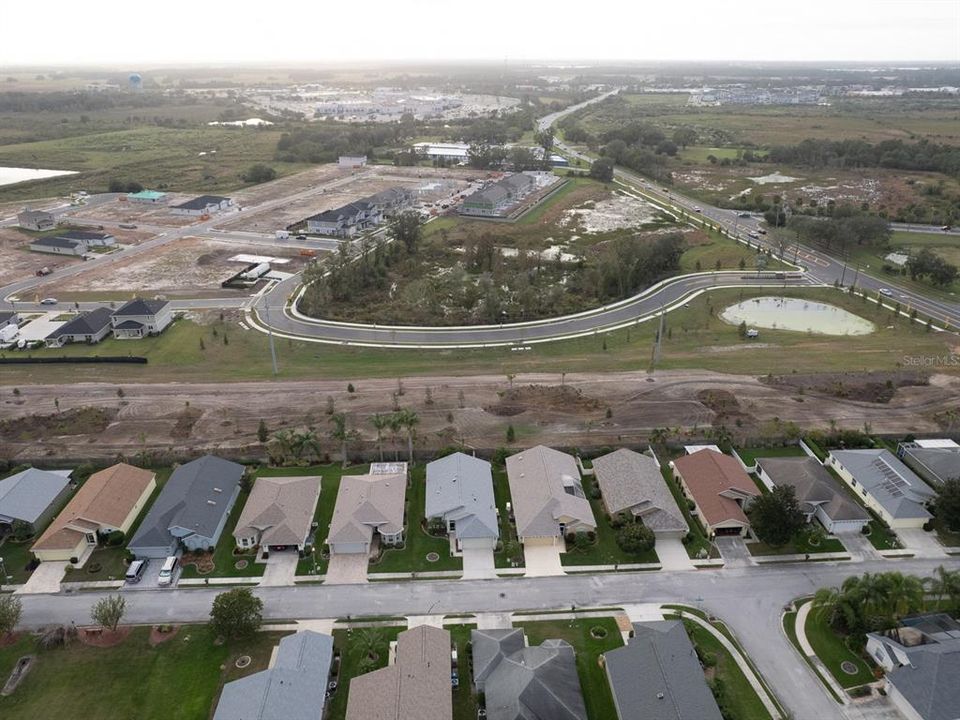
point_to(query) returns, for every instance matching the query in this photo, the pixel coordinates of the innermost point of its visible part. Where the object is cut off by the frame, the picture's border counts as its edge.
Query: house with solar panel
(885, 485)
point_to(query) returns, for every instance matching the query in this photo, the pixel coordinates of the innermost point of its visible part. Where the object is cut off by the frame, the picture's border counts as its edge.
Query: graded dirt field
(124, 211)
(188, 267)
(17, 262)
(564, 411)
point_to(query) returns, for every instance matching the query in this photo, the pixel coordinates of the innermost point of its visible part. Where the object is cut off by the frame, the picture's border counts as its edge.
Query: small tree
(947, 504)
(636, 538)
(236, 613)
(10, 611)
(511, 433)
(775, 516)
(262, 432)
(109, 611)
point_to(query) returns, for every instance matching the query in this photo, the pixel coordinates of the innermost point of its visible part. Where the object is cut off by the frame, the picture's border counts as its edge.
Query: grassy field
(158, 158)
(830, 648)
(179, 679)
(593, 679)
(695, 338)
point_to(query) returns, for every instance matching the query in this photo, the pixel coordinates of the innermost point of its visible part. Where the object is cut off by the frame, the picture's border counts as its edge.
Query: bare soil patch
(186, 419)
(726, 408)
(17, 262)
(877, 387)
(202, 561)
(544, 397)
(10, 639)
(75, 421)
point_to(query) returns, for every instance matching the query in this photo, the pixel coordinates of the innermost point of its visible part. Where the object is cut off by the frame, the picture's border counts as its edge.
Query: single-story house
(415, 685)
(32, 496)
(352, 161)
(922, 663)
(368, 504)
(149, 197)
(91, 327)
(191, 510)
(278, 514)
(109, 500)
(59, 246)
(886, 485)
(36, 220)
(548, 497)
(460, 492)
(631, 482)
(9, 317)
(933, 460)
(720, 489)
(657, 675)
(292, 688)
(819, 494)
(537, 682)
(140, 318)
(203, 205)
(92, 239)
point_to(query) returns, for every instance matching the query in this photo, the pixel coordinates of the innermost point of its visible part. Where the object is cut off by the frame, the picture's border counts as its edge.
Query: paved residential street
(748, 599)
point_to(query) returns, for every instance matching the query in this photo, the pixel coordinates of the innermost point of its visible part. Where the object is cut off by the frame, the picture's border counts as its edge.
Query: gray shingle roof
(460, 488)
(190, 500)
(891, 483)
(657, 676)
(632, 481)
(89, 323)
(489, 647)
(813, 485)
(138, 307)
(84, 235)
(293, 689)
(365, 503)
(939, 464)
(536, 683)
(929, 681)
(201, 203)
(27, 494)
(56, 242)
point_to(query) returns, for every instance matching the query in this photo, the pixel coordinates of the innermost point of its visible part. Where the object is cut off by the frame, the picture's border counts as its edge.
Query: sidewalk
(825, 676)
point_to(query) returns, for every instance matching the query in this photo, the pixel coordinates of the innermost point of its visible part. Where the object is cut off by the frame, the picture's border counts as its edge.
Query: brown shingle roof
(415, 687)
(105, 499)
(708, 473)
(365, 503)
(281, 508)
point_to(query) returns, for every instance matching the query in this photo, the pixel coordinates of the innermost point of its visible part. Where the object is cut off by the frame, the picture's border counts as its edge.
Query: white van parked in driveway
(168, 570)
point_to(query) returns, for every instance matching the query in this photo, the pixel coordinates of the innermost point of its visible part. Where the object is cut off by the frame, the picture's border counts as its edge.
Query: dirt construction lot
(123, 211)
(189, 267)
(94, 421)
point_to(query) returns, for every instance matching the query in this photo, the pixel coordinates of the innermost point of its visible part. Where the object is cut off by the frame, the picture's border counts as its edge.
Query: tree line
(896, 154)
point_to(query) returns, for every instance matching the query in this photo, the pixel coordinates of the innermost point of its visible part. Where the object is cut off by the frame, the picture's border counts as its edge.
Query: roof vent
(216, 489)
(659, 696)
(211, 502)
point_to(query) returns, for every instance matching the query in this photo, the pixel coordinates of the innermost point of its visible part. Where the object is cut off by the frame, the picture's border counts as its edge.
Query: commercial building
(458, 153)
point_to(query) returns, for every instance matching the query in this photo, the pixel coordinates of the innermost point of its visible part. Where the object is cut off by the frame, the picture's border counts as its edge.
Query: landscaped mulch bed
(105, 638)
(157, 637)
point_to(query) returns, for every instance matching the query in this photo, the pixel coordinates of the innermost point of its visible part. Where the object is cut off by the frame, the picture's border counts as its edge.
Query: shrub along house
(110, 500)
(719, 488)
(460, 494)
(278, 514)
(548, 497)
(368, 507)
(191, 510)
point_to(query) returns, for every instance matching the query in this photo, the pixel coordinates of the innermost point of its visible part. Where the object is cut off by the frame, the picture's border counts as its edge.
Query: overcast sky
(171, 32)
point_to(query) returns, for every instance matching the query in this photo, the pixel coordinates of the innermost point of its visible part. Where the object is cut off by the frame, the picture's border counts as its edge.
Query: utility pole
(659, 343)
(856, 275)
(273, 349)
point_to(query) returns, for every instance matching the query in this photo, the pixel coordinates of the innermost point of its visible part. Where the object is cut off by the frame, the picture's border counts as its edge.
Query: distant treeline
(895, 154)
(23, 102)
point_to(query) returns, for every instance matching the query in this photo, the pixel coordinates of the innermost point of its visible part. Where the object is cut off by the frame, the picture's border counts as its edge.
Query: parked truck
(45, 270)
(283, 234)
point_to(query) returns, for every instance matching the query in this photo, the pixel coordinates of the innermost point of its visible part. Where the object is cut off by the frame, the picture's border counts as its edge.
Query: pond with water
(784, 313)
(11, 175)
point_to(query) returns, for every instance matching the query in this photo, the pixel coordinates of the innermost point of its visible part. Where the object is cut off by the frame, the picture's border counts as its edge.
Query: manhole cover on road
(849, 668)
(432, 557)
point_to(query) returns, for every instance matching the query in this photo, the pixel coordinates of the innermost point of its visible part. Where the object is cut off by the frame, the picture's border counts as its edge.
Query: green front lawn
(593, 678)
(16, 556)
(604, 550)
(946, 537)
(413, 556)
(832, 651)
(224, 559)
(737, 695)
(790, 628)
(179, 679)
(697, 537)
(800, 545)
(881, 536)
(750, 455)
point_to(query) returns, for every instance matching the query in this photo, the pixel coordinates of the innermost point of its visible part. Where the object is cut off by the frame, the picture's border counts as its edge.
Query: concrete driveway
(859, 547)
(347, 569)
(542, 560)
(45, 579)
(673, 554)
(734, 551)
(923, 544)
(478, 564)
(281, 569)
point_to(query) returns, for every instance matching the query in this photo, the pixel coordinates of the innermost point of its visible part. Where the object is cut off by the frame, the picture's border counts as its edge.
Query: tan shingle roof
(415, 687)
(632, 481)
(545, 486)
(365, 502)
(708, 473)
(106, 498)
(281, 508)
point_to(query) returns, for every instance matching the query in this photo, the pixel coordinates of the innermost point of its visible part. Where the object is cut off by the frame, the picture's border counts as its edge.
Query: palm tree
(341, 434)
(395, 422)
(380, 423)
(409, 420)
(280, 447)
(905, 595)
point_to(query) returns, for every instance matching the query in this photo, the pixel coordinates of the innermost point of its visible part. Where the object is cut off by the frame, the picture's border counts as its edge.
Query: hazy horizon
(216, 32)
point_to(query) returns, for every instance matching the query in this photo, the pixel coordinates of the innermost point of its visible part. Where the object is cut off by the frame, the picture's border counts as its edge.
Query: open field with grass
(179, 679)
(158, 158)
(593, 679)
(695, 338)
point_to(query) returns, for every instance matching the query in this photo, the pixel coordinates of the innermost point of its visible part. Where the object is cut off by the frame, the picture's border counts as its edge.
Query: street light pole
(273, 349)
